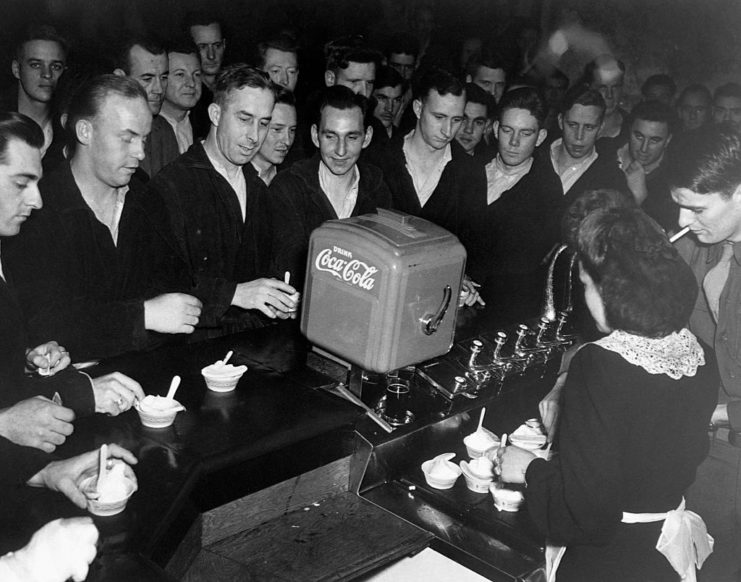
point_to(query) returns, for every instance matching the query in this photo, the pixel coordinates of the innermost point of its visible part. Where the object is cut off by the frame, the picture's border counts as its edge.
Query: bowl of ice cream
(221, 377)
(479, 443)
(440, 472)
(114, 493)
(479, 474)
(506, 499)
(157, 411)
(530, 435)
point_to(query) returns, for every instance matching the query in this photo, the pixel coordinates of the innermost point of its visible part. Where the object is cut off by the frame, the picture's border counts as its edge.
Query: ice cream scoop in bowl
(479, 474)
(440, 472)
(157, 411)
(479, 443)
(222, 377)
(506, 499)
(110, 495)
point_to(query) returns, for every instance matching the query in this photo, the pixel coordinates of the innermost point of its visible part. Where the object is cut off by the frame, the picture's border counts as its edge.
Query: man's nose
(190, 81)
(341, 148)
(467, 126)
(46, 71)
(685, 217)
(137, 149)
(33, 196)
(580, 132)
(447, 128)
(283, 78)
(388, 107)
(157, 86)
(211, 53)
(514, 139)
(644, 146)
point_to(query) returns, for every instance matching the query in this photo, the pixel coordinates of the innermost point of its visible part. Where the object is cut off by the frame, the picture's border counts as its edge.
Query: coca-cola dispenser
(381, 290)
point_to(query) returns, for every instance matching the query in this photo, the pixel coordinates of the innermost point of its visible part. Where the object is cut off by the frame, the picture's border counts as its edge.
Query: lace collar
(676, 355)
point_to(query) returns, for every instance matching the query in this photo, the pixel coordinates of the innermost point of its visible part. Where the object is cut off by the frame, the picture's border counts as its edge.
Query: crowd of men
(178, 188)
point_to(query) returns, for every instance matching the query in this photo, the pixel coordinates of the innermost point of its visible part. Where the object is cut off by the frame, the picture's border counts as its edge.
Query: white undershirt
(238, 183)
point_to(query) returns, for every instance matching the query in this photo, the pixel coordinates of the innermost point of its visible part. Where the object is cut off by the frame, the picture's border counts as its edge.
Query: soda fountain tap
(540, 339)
(562, 316)
(476, 347)
(499, 341)
(549, 304)
(522, 331)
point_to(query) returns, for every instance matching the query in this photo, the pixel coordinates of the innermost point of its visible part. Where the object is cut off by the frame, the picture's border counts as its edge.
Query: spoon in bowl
(174, 385)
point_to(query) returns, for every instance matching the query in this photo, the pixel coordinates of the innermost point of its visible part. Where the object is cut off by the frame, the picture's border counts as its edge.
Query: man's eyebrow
(28, 175)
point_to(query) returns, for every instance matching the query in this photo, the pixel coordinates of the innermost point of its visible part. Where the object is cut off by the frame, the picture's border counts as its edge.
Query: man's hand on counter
(61, 550)
(47, 359)
(65, 476)
(172, 313)
(115, 393)
(37, 422)
(272, 297)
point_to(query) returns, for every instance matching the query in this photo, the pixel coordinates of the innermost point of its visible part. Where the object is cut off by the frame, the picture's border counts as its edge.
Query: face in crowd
(439, 117)
(38, 69)
(518, 133)
(403, 63)
(280, 135)
(211, 45)
(242, 123)
(648, 140)
(475, 122)
(151, 72)
(580, 127)
(184, 82)
(20, 172)
(493, 81)
(713, 217)
(608, 80)
(693, 110)
(358, 77)
(388, 101)
(282, 66)
(341, 137)
(727, 109)
(114, 139)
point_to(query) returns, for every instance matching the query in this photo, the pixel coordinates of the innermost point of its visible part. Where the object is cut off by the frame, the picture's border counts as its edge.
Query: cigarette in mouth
(679, 235)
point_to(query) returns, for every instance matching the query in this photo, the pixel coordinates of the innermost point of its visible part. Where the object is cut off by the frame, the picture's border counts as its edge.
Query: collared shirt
(501, 177)
(238, 183)
(347, 205)
(424, 183)
(117, 212)
(183, 130)
(265, 175)
(572, 173)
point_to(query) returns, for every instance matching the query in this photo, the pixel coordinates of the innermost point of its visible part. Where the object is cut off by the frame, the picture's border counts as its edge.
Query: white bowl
(441, 483)
(474, 481)
(223, 381)
(474, 451)
(110, 506)
(506, 499)
(158, 417)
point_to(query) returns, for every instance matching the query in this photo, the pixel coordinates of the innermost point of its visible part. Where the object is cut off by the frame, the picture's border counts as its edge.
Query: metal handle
(431, 322)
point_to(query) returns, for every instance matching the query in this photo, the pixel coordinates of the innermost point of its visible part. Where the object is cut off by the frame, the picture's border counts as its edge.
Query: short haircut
(527, 98)
(654, 111)
(581, 94)
(599, 62)
(727, 90)
(646, 287)
(475, 94)
(402, 44)
(695, 89)
(388, 77)
(202, 18)
(18, 126)
(284, 96)
(282, 42)
(707, 161)
(488, 58)
(660, 80)
(183, 45)
(40, 32)
(438, 80)
(342, 98)
(238, 76)
(122, 58)
(339, 53)
(586, 203)
(89, 98)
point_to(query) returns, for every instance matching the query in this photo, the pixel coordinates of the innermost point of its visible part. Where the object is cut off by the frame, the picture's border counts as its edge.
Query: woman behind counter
(636, 407)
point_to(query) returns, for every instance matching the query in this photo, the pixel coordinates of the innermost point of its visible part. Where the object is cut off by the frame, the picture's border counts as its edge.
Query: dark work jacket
(456, 203)
(299, 206)
(603, 173)
(516, 233)
(220, 248)
(199, 119)
(659, 204)
(160, 148)
(80, 289)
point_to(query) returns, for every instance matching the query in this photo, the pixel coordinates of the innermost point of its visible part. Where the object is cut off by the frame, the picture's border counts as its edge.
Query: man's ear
(84, 131)
(119, 72)
(542, 134)
(560, 122)
(368, 136)
(330, 79)
(214, 114)
(314, 134)
(495, 127)
(469, 79)
(417, 107)
(15, 67)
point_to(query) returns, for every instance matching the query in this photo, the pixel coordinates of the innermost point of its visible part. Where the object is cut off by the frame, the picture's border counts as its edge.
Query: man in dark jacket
(218, 208)
(91, 269)
(331, 185)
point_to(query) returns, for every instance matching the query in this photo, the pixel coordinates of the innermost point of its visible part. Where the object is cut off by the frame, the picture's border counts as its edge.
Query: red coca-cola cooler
(381, 290)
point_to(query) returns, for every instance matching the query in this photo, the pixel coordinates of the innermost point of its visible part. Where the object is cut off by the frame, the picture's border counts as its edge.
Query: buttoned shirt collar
(572, 173)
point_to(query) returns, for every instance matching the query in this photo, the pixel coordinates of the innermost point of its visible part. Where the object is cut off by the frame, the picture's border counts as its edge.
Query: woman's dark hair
(586, 203)
(646, 287)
